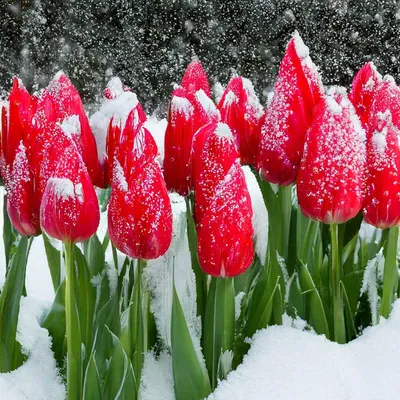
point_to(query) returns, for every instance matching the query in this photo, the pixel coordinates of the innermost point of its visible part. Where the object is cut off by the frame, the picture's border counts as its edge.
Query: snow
(157, 129)
(301, 49)
(287, 363)
(183, 106)
(157, 382)
(71, 125)
(223, 131)
(63, 187)
(174, 267)
(260, 214)
(373, 275)
(207, 104)
(37, 378)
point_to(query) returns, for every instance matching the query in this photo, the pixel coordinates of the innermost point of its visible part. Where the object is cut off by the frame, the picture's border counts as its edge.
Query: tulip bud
(139, 212)
(66, 102)
(381, 206)
(213, 155)
(187, 113)
(109, 122)
(242, 111)
(69, 209)
(195, 79)
(363, 88)
(330, 183)
(225, 233)
(296, 93)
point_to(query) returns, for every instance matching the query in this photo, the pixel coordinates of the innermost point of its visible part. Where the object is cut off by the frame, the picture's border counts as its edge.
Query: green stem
(72, 327)
(201, 277)
(339, 329)
(285, 200)
(219, 326)
(390, 277)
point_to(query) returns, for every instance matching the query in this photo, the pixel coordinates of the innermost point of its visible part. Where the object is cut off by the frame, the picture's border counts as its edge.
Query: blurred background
(148, 43)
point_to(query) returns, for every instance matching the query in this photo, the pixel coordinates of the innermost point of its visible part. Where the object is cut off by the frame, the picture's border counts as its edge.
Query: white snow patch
(71, 125)
(238, 304)
(37, 378)
(260, 214)
(99, 124)
(63, 187)
(373, 277)
(183, 106)
(207, 104)
(316, 368)
(301, 49)
(174, 267)
(157, 381)
(157, 129)
(223, 130)
(230, 98)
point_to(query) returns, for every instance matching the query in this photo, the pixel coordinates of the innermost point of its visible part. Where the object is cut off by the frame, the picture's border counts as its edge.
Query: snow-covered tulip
(381, 206)
(330, 183)
(17, 164)
(242, 111)
(364, 85)
(187, 113)
(225, 233)
(296, 93)
(69, 208)
(59, 101)
(195, 79)
(213, 154)
(117, 135)
(139, 212)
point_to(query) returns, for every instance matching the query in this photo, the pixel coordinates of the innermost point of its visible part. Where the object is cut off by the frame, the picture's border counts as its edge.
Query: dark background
(149, 43)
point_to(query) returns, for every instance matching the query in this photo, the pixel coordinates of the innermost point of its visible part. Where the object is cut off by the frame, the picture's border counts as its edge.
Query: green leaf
(316, 312)
(54, 261)
(85, 294)
(350, 325)
(132, 327)
(219, 324)
(95, 256)
(119, 374)
(9, 306)
(190, 379)
(54, 322)
(10, 235)
(91, 386)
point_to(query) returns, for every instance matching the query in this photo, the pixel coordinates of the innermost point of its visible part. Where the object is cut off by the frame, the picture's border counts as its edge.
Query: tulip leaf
(91, 386)
(119, 381)
(54, 322)
(9, 307)
(190, 378)
(317, 317)
(350, 325)
(54, 261)
(94, 255)
(85, 294)
(219, 324)
(10, 235)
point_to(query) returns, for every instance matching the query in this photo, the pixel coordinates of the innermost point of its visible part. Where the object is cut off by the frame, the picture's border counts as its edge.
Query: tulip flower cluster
(326, 165)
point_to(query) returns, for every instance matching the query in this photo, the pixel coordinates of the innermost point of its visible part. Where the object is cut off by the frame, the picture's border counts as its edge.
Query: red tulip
(213, 154)
(225, 233)
(196, 79)
(381, 206)
(385, 97)
(139, 212)
(296, 93)
(242, 111)
(363, 88)
(17, 166)
(109, 122)
(69, 209)
(187, 113)
(117, 135)
(330, 183)
(59, 101)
